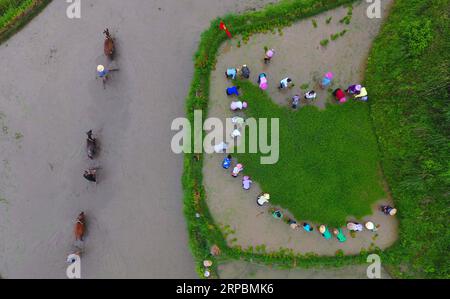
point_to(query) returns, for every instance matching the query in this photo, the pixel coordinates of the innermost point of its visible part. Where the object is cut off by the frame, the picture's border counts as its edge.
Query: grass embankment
(14, 14)
(329, 161)
(408, 76)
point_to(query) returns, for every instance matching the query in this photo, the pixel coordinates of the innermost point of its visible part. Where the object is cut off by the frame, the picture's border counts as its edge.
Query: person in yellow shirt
(362, 95)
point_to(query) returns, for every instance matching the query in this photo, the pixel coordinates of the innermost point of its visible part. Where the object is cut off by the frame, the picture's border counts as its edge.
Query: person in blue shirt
(231, 74)
(226, 162)
(233, 90)
(102, 72)
(307, 227)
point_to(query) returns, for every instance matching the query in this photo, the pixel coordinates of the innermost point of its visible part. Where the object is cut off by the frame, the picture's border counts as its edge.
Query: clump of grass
(314, 23)
(328, 20)
(324, 42)
(345, 20)
(343, 32)
(334, 37)
(18, 135)
(304, 86)
(348, 18)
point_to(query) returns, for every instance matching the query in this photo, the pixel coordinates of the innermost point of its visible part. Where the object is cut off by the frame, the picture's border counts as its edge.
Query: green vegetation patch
(14, 14)
(328, 166)
(408, 76)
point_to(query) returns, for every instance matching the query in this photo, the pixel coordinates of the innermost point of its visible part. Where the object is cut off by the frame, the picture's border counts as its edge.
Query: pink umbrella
(263, 86)
(329, 75)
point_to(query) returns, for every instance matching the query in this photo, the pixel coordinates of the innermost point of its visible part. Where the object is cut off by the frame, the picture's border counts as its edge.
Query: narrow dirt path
(49, 98)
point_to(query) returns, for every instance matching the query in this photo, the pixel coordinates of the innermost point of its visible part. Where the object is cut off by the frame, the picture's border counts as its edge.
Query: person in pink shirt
(268, 56)
(238, 105)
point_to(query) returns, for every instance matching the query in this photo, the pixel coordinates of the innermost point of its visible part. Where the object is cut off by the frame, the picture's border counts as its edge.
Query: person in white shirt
(235, 133)
(221, 147)
(310, 95)
(238, 105)
(285, 83)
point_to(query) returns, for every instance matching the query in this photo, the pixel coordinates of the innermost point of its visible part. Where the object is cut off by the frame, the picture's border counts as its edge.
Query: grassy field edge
(20, 17)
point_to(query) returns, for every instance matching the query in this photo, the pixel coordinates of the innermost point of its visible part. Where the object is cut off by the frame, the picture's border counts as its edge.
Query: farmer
(238, 105)
(268, 56)
(234, 90)
(295, 101)
(285, 83)
(339, 235)
(354, 89)
(235, 133)
(388, 210)
(239, 121)
(356, 227)
(310, 95)
(293, 224)
(245, 71)
(231, 73)
(237, 170)
(246, 182)
(262, 199)
(221, 147)
(370, 226)
(340, 95)
(227, 162)
(102, 72)
(362, 95)
(326, 80)
(277, 214)
(325, 232)
(91, 175)
(262, 81)
(307, 227)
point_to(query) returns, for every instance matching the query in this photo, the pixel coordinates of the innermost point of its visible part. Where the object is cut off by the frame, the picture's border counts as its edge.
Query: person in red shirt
(340, 95)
